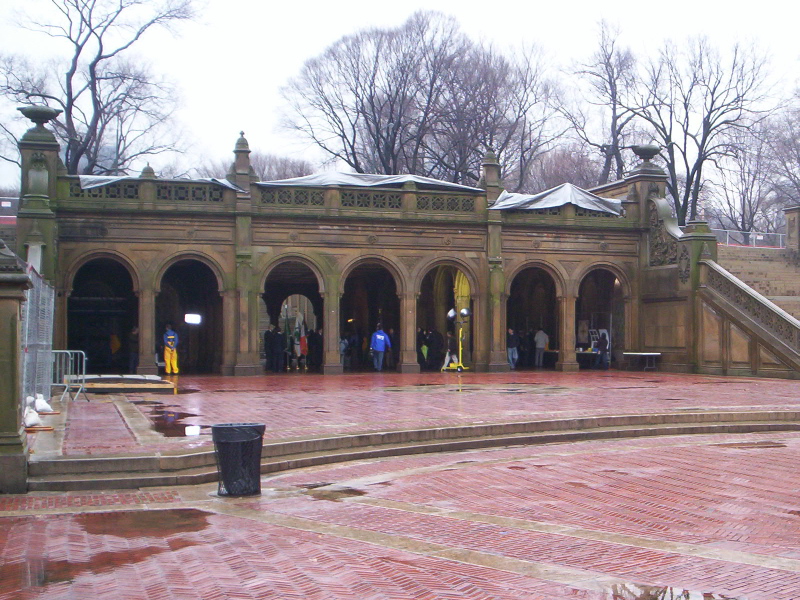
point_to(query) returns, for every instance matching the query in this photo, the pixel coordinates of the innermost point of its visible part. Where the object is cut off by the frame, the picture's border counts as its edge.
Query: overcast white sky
(232, 61)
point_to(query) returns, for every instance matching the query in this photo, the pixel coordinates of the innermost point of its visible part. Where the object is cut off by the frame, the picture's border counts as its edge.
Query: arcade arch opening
(444, 287)
(370, 297)
(291, 316)
(532, 305)
(189, 287)
(102, 310)
(600, 307)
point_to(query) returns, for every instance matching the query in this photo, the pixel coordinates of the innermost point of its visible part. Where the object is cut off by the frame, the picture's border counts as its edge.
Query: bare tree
(691, 100)
(565, 164)
(611, 77)
(744, 192)
(784, 141)
(111, 108)
(369, 99)
(267, 167)
(423, 99)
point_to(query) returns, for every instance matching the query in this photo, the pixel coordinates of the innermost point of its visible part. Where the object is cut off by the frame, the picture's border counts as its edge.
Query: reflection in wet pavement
(469, 388)
(152, 527)
(166, 420)
(147, 523)
(643, 592)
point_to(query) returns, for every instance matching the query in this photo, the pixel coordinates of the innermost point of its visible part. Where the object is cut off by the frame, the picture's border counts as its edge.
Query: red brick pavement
(716, 514)
(299, 406)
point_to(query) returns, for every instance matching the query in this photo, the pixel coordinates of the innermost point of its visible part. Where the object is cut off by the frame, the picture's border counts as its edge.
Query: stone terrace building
(397, 250)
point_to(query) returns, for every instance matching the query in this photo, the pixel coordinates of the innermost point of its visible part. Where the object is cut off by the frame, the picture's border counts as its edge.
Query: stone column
(332, 361)
(498, 358)
(13, 442)
(566, 334)
(408, 333)
(36, 224)
(793, 228)
(147, 330)
(230, 305)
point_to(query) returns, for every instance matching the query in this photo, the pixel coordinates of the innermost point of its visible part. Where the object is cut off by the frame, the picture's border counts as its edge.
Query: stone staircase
(772, 272)
(130, 472)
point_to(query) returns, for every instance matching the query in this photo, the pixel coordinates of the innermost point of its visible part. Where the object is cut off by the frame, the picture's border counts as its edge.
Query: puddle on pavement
(468, 388)
(644, 592)
(334, 494)
(156, 524)
(166, 420)
(170, 422)
(751, 445)
(144, 523)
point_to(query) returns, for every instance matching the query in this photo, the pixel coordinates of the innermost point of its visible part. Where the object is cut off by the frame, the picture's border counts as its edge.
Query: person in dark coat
(421, 341)
(435, 349)
(601, 360)
(278, 350)
(512, 348)
(268, 348)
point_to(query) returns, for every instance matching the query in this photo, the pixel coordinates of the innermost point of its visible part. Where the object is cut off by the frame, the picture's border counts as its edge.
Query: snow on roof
(94, 181)
(558, 196)
(366, 180)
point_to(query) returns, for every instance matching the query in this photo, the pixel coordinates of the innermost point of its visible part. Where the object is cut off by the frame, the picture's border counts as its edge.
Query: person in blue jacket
(379, 344)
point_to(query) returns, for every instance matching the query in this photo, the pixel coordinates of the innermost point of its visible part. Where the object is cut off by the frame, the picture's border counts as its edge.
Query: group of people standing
(381, 350)
(528, 350)
(281, 350)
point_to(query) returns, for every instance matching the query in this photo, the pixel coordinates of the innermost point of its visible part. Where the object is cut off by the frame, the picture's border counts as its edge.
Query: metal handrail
(752, 239)
(69, 371)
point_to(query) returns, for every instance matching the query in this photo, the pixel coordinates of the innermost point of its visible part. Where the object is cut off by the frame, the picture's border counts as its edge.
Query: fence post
(793, 228)
(13, 441)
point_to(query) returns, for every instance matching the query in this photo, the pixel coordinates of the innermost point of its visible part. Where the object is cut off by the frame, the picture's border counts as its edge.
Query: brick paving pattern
(595, 520)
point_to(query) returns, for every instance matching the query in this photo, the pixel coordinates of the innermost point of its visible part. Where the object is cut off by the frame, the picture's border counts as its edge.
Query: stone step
(72, 474)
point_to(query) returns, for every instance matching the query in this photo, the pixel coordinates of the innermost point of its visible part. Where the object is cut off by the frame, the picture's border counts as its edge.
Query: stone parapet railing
(389, 202)
(756, 307)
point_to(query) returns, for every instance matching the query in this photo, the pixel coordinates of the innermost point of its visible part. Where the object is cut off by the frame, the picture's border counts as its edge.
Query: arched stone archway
(600, 305)
(370, 297)
(102, 310)
(189, 286)
(443, 288)
(291, 288)
(532, 305)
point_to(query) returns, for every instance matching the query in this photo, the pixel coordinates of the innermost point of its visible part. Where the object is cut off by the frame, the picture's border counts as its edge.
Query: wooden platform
(110, 384)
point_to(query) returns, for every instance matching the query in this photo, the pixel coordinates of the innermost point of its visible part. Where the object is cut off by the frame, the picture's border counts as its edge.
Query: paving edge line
(104, 473)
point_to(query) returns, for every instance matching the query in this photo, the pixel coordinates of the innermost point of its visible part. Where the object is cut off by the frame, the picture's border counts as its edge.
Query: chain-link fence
(37, 337)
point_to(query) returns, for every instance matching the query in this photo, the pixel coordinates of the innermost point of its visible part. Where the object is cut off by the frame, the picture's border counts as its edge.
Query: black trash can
(238, 450)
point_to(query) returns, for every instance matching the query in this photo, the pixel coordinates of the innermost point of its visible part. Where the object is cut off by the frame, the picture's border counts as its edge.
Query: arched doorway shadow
(370, 298)
(600, 308)
(444, 288)
(189, 287)
(532, 306)
(291, 289)
(102, 310)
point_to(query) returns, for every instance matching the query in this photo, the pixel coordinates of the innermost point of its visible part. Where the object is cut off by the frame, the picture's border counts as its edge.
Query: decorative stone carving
(293, 236)
(663, 247)
(448, 240)
(684, 265)
(410, 261)
(753, 307)
(372, 239)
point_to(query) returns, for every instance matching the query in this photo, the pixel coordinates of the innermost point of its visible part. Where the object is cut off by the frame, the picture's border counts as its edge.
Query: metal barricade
(69, 372)
(37, 337)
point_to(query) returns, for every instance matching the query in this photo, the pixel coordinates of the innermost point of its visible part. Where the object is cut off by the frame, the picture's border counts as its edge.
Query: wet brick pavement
(619, 519)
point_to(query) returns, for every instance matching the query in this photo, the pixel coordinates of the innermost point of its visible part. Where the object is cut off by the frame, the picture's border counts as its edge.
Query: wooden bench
(649, 358)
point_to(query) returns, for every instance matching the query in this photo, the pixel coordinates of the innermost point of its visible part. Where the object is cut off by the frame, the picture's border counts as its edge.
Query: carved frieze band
(663, 247)
(761, 313)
